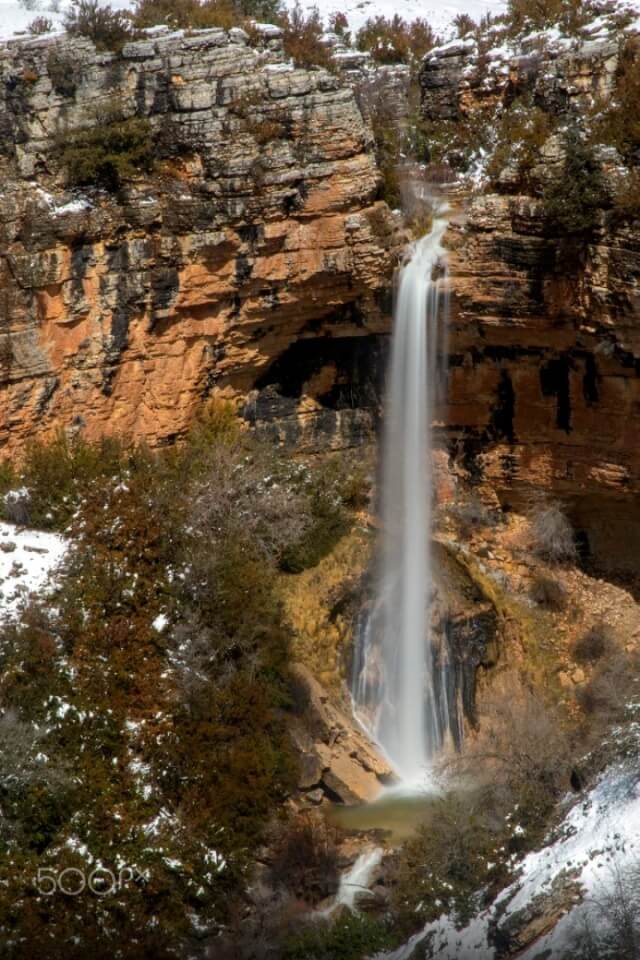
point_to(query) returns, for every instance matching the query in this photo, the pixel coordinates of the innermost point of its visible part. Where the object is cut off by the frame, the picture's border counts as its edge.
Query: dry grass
(321, 628)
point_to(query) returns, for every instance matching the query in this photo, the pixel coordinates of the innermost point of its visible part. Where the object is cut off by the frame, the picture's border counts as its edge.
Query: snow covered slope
(439, 13)
(597, 841)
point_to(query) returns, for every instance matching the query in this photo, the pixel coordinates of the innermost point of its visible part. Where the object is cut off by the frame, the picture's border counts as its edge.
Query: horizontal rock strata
(258, 229)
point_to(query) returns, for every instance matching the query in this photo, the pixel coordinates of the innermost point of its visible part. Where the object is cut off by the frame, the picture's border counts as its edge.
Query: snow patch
(160, 623)
(28, 561)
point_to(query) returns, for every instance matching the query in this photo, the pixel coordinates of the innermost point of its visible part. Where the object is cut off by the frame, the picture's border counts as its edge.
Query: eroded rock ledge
(258, 232)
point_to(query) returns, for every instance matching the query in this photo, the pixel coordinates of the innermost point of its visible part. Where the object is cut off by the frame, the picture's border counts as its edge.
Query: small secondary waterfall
(396, 693)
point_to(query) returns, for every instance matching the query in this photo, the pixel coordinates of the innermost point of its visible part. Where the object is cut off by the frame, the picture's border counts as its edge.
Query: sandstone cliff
(257, 239)
(544, 353)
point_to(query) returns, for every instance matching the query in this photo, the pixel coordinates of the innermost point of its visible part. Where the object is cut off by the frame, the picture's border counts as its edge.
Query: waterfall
(397, 687)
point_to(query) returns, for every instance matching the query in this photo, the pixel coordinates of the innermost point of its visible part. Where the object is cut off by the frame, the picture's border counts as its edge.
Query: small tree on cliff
(573, 200)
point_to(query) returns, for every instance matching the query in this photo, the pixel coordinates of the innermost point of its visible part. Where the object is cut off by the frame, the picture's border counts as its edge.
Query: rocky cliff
(252, 261)
(255, 260)
(545, 354)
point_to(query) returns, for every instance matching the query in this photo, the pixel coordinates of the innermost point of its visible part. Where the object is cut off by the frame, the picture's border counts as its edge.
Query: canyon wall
(544, 388)
(254, 260)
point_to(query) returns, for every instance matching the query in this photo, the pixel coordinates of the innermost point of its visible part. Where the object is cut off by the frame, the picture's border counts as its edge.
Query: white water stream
(396, 693)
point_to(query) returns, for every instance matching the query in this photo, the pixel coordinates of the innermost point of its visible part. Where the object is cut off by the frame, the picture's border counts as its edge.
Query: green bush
(200, 703)
(108, 29)
(617, 123)
(455, 143)
(522, 131)
(58, 473)
(573, 201)
(8, 477)
(109, 152)
(156, 682)
(339, 24)
(330, 522)
(350, 937)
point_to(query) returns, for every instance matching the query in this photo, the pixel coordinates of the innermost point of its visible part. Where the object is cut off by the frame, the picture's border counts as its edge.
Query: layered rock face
(258, 238)
(545, 347)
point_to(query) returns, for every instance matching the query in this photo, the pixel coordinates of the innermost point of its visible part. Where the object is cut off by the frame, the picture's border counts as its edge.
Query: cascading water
(396, 691)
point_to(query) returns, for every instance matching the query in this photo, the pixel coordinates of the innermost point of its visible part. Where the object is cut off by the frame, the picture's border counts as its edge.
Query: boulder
(334, 754)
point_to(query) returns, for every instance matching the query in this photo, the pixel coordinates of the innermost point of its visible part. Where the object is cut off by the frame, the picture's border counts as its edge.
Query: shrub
(552, 534)
(374, 103)
(574, 199)
(303, 38)
(108, 29)
(472, 514)
(612, 687)
(55, 475)
(268, 10)
(339, 25)
(8, 477)
(349, 937)
(610, 926)
(395, 40)
(522, 131)
(548, 593)
(158, 676)
(569, 15)
(39, 26)
(305, 861)
(595, 644)
(329, 523)
(33, 790)
(464, 24)
(523, 752)
(626, 197)
(457, 851)
(202, 14)
(109, 152)
(618, 123)
(455, 143)
(102, 681)
(185, 14)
